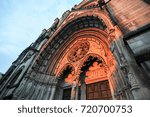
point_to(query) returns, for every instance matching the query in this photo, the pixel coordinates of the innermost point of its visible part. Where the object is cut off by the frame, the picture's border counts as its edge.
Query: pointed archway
(90, 26)
(94, 83)
(90, 56)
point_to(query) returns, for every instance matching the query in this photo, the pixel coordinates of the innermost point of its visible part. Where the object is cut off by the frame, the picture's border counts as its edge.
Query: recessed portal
(94, 83)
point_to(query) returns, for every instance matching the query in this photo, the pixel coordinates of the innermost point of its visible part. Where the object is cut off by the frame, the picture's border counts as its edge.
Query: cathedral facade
(100, 50)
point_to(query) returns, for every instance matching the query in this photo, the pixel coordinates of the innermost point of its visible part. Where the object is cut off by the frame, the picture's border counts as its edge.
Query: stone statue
(55, 24)
(65, 14)
(52, 29)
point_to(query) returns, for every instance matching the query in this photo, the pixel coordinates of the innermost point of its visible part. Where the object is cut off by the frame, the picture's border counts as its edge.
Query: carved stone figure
(54, 25)
(133, 82)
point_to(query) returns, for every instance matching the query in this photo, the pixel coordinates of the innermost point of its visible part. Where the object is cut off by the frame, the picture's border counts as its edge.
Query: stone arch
(75, 16)
(82, 34)
(92, 72)
(86, 58)
(74, 26)
(64, 67)
(54, 58)
(96, 13)
(90, 38)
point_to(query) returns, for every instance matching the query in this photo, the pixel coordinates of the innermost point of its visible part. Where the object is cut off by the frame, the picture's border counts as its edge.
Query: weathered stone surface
(85, 55)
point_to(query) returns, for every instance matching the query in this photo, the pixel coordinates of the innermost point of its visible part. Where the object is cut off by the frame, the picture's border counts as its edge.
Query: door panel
(98, 91)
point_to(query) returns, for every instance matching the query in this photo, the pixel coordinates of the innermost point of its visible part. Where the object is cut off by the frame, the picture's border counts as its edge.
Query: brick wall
(131, 14)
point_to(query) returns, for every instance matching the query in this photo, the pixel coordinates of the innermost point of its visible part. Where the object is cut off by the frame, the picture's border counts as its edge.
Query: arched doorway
(94, 84)
(88, 35)
(64, 88)
(90, 59)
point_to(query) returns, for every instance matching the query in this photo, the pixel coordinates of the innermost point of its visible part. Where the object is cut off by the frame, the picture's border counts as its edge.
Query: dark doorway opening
(67, 94)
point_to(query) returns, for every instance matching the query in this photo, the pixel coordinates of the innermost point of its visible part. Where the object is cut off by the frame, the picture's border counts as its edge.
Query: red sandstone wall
(131, 14)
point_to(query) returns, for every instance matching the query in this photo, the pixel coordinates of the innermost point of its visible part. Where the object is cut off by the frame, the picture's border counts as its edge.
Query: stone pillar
(77, 92)
(19, 93)
(36, 92)
(128, 66)
(114, 78)
(73, 91)
(53, 90)
(125, 85)
(112, 83)
(83, 91)
(118, 80)
(48, 93)
(30, 90)
(77, 87)
(136, 77)
(118, 92)
(41, 91)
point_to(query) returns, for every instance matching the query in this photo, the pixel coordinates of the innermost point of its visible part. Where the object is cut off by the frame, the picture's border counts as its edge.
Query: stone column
(119, 85)
(53, 90)
(21, 90)
(77, 92)
(48, 93)
(128, 66)
(112, 82)
(136, 77)
(114, 78)
(83, 91)
(30, 89)
(73, 91)
(125, 85)
(77, 87)
(36, 92)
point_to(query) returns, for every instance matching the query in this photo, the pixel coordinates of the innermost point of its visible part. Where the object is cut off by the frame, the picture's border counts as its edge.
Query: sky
(22, 21)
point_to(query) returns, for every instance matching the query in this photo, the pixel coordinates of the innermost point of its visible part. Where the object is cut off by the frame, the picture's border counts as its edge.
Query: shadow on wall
(147, 1)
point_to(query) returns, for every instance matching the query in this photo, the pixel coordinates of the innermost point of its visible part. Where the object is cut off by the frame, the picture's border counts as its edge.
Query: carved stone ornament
(78, 51)
(96, 72)
(70, 78)
(65, 14)
(28, 56)
(133, 82)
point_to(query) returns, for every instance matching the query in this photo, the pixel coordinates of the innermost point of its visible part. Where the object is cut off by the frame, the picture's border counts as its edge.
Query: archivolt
(92, 22)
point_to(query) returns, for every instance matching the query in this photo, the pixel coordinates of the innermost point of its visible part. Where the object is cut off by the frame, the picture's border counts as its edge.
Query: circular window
(78, 51)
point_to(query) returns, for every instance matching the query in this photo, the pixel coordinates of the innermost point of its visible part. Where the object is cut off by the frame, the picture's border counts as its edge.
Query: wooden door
(98, 91)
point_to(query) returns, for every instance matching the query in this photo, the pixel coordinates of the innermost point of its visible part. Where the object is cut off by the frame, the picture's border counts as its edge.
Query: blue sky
(21, 22)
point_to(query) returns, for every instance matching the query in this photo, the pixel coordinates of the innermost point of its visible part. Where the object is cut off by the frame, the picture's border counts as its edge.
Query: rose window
(78, 51)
